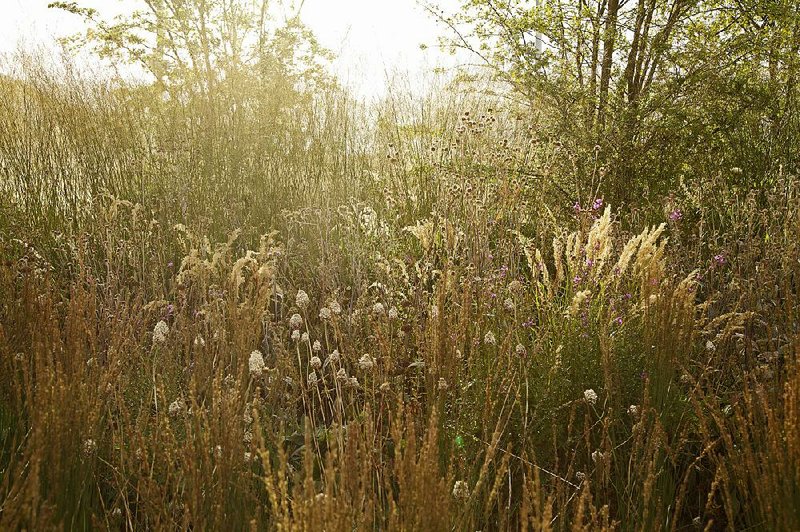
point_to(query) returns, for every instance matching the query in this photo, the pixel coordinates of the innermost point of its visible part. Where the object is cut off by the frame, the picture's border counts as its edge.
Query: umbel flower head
(590, 396)
(366, 362)
(296, 321)
(316, 363)
(160, 332)
(256, 364)
(302, 299)
(489, 338)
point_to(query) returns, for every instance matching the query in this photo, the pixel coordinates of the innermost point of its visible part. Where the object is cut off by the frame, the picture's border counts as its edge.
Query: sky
(372, 39)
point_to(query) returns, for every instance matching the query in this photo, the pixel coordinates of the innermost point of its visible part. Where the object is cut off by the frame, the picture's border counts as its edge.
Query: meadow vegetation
(233, 296)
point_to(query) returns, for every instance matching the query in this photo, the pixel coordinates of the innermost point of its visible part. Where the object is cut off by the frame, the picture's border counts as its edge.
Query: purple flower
(577, 279)
(675, 215)
(598, 204)
(719, 259)
(170, 264)
(577, 207)
(618, 320)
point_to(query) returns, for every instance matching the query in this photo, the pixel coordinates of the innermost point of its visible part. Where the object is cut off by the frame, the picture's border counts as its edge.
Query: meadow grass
(328, 316)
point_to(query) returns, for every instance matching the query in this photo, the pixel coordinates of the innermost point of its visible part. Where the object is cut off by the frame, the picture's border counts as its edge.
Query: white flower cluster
(590, 396)
(160, 332)
(256, 364)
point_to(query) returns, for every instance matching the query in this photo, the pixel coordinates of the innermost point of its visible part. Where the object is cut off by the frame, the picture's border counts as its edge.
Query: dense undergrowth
(287, 318)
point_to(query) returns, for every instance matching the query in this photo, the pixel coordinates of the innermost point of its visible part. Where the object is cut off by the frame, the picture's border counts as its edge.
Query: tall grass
(448, 343)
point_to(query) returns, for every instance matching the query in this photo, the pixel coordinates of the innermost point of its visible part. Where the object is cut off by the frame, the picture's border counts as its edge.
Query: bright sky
(372, 38)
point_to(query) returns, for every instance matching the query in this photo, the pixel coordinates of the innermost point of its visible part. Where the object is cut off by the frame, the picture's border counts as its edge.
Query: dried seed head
(302, 300)
(296, 335)
(160, 332)
(317, 347)
(461, 490)
(296, 321)
(325, 313)
(176, 407)
(366, 362)
(316, 363)
(590, 396)
(256, 364)
(489, 338)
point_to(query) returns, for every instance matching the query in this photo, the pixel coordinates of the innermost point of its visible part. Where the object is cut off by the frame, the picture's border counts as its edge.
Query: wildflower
(341, 375)
(597, 456)
(176, 407)
(366, 362)
(633, 410)
(580, 475)
(352, 382)
(508, 304)
(515, 286)
(590, 396)
(334, 357)
(296, 335)
(335, 307)
(296, 321)
(676, 215)
(393, 314)
(160, 332)
(247, 438)
(489, 338)
(305, 338)
(710, 347)
(312, 378)
(256, 364)
(442, 386)
(316, 363)
(248, 456)
(325, 313)
(385, 387)
(520, 350)
(377, 309)
(89, 447)
(317, 347)
(302, 299)
(461, 490)
(719, 260)
(598, 204)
